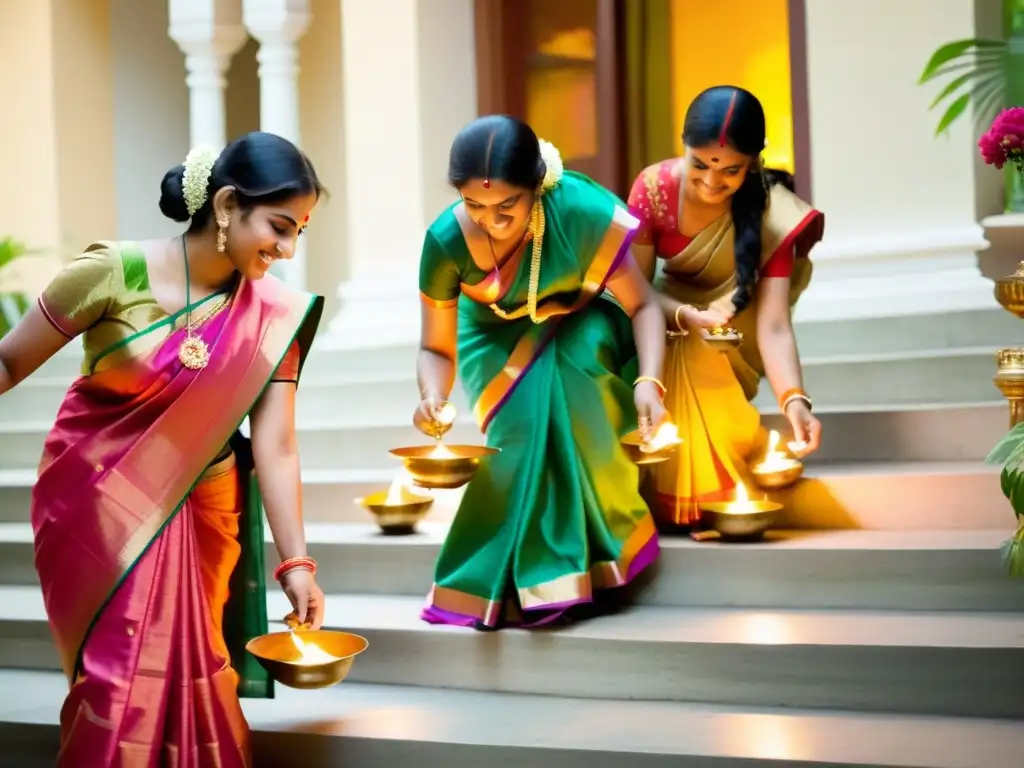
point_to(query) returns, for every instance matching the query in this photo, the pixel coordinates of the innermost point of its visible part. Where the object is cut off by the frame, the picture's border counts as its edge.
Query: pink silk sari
(136, 538)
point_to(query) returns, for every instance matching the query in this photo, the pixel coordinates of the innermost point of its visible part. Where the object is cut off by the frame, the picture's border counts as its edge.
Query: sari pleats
(156, 686)
(557, 513)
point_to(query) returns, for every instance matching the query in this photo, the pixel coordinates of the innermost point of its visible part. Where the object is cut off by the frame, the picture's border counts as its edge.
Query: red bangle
(293, 563)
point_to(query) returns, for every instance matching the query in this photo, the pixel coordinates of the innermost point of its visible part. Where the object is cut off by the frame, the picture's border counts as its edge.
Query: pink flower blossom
(1004, 141)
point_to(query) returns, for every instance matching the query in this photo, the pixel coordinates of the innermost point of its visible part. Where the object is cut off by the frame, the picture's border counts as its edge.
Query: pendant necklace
(194, 354)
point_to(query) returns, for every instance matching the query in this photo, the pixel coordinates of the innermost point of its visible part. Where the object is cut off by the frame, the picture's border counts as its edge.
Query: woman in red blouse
(724, 245)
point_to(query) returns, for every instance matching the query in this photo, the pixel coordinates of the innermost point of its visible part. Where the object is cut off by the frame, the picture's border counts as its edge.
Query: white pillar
(209, 33)
(409, 85)
(902, 231)
(278, 25)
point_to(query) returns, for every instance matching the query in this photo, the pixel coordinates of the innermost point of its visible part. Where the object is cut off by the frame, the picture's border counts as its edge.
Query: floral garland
(196, 179)
(553, 163)
(554, 170)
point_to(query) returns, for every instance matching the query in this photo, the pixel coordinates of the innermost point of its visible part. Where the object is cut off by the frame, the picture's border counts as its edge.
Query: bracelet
(794, 397)
(789, 393)
(294, 563)
(681, 329)
(656, 382)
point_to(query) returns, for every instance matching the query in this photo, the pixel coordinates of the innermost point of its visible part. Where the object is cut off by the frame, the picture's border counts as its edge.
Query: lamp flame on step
(400, 491)
(742, 504)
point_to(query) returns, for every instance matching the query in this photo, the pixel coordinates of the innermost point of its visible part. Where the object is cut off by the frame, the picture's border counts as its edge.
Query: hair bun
(172, 196)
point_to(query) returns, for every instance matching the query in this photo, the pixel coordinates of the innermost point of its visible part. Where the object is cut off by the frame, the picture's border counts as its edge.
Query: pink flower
(1004, 141)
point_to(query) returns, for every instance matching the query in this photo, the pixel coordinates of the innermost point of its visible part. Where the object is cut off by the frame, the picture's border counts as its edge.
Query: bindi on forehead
(714, 159)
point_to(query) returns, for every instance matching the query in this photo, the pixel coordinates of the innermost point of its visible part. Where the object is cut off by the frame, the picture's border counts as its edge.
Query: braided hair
(729, 115)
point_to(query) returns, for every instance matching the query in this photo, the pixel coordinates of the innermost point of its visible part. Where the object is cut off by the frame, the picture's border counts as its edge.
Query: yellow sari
(709, 391)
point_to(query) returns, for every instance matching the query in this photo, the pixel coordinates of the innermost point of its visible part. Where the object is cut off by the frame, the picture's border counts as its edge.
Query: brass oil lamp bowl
(397, 510)
(660, 448)
(1010, 292)
(722, 338)
(742, 520)
(440, 465)
(307, 658)
(776, 469)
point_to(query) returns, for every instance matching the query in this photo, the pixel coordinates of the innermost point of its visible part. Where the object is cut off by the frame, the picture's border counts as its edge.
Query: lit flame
(742, 502)
(742, 497)
(775, 459)
(399, 489)
(441, 451)
(311, 655)
(667, 434)
(402, 491)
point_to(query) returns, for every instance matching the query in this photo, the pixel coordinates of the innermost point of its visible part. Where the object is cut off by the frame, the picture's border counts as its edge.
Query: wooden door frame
(497, 26)
(801, 98)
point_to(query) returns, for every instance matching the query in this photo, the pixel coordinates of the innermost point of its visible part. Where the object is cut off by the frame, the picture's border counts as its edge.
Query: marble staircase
(877, 631)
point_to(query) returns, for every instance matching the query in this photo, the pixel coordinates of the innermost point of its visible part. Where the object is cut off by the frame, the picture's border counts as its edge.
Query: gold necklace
(193, 353)
(538, 223)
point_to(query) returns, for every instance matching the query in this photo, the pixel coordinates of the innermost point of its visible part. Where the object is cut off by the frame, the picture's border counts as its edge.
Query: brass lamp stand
(1010, 373)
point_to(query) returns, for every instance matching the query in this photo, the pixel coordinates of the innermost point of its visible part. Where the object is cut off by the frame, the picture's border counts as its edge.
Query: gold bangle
(656, 382)
(675, 317)
(793, 398)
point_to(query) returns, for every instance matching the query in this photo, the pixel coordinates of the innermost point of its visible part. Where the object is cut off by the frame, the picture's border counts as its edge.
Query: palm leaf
(955, 110)
(954, 50)
(959, 82)
(989, 98)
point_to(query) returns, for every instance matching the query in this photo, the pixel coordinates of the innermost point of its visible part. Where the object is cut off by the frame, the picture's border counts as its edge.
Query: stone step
(361, 725)
(838, 382)
(905, 496)
(820, 339)
(950, 663)
(870, 570)
(922, 432)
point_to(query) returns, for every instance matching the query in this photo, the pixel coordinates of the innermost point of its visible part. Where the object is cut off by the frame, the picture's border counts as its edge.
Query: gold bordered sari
(557, 513)
(709, 391)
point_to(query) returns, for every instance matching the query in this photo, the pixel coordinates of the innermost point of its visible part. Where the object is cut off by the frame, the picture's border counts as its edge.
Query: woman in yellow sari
(724, 244)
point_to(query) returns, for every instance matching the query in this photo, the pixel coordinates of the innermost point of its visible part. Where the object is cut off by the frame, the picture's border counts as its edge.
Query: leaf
(954, 111)
(1007, 446)
(1012, 552)
(955, 50)
(952, 86)
(1016, 494)
(989, 98)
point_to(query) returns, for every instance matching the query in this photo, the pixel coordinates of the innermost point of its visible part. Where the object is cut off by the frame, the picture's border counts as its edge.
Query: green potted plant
(986, 74)
(1002, 146)
(12, 306)
(1009, 453)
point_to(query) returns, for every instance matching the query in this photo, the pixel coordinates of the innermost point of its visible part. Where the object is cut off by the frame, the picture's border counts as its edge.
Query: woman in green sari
(514, 279)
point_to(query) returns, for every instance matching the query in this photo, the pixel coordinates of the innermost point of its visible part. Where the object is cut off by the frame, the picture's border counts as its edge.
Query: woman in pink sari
(147, 511)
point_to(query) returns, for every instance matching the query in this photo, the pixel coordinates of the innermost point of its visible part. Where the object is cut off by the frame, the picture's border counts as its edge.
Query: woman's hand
(434, 416)
(306, 597)
(806, 428)
(704, 318)
(649, 408)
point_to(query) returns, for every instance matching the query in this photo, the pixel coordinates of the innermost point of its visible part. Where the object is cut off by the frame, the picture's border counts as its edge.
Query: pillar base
(918, 273)
(375, 312)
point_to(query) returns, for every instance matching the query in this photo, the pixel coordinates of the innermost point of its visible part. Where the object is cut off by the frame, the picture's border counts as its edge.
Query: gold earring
(222, 236)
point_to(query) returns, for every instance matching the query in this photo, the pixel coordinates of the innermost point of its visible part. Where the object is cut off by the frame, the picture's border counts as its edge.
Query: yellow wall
(743, 43)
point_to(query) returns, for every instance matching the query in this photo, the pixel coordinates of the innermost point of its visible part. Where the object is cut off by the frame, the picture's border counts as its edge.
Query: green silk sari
(557, 514)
